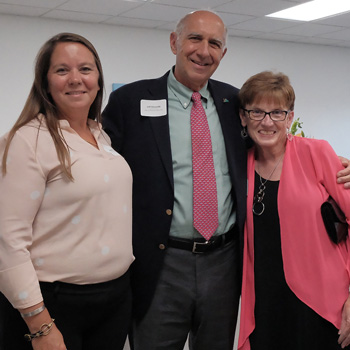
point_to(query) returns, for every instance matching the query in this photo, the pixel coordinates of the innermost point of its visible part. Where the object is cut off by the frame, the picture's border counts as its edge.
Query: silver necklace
(258, 205)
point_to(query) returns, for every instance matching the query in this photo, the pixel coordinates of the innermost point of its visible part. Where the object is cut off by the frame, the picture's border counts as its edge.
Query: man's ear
(173, 39)
(224, 53)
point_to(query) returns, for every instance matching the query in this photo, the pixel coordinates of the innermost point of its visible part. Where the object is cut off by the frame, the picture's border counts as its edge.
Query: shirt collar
(94, 126)
(183, 93)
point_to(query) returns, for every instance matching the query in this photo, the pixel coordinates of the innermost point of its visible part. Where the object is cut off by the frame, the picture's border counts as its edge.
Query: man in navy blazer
(181, 284)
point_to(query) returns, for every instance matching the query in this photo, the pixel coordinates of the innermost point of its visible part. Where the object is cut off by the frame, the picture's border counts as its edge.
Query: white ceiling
(244, 18)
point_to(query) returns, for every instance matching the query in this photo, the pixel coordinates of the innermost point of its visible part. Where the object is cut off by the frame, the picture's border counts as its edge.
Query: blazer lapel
(160, 125)
(224, 109)
(227, 108)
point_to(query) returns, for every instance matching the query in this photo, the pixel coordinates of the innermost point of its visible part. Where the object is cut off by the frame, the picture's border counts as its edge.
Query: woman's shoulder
(314, 148)
(36, 123)
(310, 143)
(33, 133)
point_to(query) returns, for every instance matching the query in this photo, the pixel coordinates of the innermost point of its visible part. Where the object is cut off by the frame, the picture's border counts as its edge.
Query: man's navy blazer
(145, 144)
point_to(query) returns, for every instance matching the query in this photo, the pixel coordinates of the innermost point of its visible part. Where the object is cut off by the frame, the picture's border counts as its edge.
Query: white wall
(319, 74)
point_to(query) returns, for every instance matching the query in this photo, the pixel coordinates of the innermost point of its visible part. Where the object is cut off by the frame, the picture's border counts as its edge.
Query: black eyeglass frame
(265, 113)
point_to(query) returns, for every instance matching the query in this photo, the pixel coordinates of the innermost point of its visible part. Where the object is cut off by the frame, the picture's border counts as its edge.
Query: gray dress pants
(197, 295)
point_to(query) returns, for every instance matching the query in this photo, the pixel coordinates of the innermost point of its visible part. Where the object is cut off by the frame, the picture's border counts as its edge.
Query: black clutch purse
(334, 220)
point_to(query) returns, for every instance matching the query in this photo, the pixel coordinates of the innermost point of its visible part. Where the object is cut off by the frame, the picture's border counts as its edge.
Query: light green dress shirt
(179, 105)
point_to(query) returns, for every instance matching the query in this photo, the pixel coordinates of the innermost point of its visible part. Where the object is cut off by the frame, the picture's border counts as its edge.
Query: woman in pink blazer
(295, 279)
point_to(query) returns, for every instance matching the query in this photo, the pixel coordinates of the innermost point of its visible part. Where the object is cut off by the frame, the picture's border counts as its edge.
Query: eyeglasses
(257, 114)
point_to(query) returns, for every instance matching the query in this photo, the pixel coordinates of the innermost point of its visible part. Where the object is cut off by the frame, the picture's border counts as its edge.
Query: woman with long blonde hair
(65, 212)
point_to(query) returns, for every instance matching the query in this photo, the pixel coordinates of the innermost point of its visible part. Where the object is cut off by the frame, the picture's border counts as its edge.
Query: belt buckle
(195, 244)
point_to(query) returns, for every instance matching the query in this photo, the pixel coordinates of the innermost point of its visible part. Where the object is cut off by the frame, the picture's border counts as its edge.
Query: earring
(244, 133)
(289, 135)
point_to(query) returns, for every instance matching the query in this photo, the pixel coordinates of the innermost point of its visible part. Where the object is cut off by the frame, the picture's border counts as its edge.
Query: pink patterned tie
(205, 202)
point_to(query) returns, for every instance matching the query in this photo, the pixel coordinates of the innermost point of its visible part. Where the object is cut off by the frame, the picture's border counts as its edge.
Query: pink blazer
(316, 270)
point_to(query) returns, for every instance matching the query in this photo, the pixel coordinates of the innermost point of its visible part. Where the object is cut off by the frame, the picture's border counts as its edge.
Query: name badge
(153, 108)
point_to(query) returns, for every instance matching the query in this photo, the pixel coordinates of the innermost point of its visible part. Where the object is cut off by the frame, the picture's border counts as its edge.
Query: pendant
(258, 208)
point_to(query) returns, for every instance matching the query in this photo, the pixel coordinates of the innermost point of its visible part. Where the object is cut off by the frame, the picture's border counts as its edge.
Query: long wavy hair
(39, 100)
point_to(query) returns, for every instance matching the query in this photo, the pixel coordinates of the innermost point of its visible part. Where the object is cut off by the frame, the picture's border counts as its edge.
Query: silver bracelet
(34, 312)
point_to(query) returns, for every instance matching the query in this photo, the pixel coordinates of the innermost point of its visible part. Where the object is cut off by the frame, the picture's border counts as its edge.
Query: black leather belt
(200, 245)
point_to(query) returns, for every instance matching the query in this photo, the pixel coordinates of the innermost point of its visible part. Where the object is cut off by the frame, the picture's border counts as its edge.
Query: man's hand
(344, 331)
(343, 176)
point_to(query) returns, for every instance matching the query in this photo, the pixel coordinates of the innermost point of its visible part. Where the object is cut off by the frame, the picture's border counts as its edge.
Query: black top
(282, 320)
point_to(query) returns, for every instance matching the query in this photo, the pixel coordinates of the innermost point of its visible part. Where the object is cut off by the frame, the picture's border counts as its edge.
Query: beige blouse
(52, 229)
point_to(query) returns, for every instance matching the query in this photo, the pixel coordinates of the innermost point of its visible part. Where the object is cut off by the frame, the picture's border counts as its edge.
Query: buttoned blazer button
(161, 246)
(169, 211)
